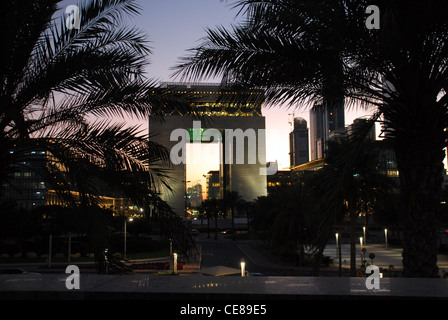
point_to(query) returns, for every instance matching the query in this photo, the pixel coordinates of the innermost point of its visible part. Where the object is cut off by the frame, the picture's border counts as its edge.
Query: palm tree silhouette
(302, 51)
(57, 81)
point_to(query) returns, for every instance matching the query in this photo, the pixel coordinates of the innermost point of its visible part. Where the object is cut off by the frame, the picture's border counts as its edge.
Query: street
(228, 253)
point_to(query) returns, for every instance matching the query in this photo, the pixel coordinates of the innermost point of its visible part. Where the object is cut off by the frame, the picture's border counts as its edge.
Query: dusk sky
(174, 26)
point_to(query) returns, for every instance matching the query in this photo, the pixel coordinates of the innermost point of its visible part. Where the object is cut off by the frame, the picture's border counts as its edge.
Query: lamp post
(337, 246)
(175, 263)
(385, 237)
(360, 242)
(243, 267)
(364, 233)
(125, 223)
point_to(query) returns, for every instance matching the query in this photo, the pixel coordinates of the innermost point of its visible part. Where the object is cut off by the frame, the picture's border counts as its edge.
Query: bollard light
(337, 245)
(364, 233)
(243, 266)
(175, 263)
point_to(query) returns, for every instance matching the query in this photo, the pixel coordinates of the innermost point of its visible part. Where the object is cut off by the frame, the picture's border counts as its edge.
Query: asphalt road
(228, 253)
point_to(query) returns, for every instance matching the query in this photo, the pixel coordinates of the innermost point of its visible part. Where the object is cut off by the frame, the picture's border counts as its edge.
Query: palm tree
(60, 89)
(303, 51)
(231, 201)
(212, 208)
(56, 81)
(350, 183)
(204, 213)
(286, 217)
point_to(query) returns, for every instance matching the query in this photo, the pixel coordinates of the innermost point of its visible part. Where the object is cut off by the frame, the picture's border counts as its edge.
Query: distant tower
(298, 143)
(359, 123)
(326, 122)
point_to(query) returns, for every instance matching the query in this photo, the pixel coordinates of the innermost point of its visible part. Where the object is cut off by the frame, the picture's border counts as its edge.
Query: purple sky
(174, 26)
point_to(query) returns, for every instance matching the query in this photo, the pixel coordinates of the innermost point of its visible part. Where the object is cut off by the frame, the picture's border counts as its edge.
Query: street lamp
(175, 263)
(125, 223)
(385, 237)
(337, 245)
(362, 251)
(364, 232)
(338, 250)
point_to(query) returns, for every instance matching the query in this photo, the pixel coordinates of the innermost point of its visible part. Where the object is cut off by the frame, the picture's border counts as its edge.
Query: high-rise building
(327, 121)
(194, 195)
(232, 118)
(213, 187)
(298, 143)
(359, 123)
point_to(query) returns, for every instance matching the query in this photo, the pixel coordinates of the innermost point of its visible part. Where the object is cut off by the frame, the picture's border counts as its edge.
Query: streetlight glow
(364, 232)
(337, 245)
(125, 231)
(175, 263)
(243, 266)
(385, 236)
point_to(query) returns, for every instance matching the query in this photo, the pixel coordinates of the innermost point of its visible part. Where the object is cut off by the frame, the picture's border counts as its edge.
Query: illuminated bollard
(175, 263)
(243, 266)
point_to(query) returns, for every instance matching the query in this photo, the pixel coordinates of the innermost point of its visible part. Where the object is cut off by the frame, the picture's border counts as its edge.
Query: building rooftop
(212, 99)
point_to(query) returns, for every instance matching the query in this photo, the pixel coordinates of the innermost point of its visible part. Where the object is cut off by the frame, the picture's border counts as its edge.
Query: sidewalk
(263, 258)
(384, 257)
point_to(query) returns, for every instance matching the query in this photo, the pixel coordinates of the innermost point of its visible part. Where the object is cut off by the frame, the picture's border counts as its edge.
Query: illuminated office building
(29, 187)
(219, 111)
(213, 190)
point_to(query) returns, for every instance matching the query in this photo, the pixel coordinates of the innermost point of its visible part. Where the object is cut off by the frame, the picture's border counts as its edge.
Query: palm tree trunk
(420, 198)
(232, 212)
(216, 227)
(340, 259)
(420, 139)
(208, 227)
(352, 214)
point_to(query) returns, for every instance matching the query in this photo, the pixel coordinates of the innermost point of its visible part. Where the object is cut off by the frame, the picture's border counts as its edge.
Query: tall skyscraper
(213, 187)
(298, 143)
(327, 121)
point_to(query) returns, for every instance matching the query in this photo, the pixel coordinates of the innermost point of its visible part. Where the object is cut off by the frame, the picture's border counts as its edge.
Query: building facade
(30, 185)
(326, 122)
(238, 128)
(299, 143)
(213, 187)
